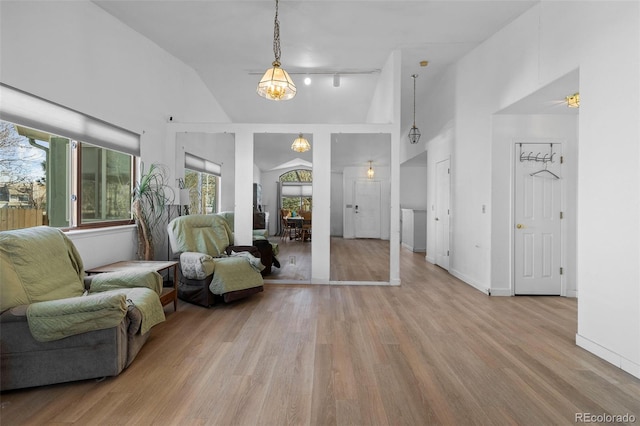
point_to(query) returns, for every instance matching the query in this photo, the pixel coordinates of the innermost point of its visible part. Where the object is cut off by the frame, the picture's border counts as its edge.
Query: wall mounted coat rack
(538, 157)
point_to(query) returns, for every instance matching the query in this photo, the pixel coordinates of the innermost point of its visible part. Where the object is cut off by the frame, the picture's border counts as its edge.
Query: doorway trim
(446, 238)
(563, 205)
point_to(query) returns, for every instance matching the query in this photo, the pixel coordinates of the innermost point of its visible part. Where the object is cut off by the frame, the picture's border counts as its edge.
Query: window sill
(94, 232)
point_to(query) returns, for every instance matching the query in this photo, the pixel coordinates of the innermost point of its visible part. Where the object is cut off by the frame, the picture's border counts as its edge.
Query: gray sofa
(56, 326)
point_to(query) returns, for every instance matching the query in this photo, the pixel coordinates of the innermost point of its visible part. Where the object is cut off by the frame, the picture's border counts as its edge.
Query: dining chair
(287, 227)
(306, 225)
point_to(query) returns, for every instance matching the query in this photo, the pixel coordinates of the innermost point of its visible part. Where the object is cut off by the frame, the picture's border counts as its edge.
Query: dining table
(299, 223)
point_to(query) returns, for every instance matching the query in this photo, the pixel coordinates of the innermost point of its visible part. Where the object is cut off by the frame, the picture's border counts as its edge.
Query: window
(203, 192)
(61, 168)
(202, 180)
(106, 185)
(52, 180)
(296, 190)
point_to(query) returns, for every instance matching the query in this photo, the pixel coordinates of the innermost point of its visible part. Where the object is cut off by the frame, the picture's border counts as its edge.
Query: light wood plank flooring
(432, 351)
(351, 260)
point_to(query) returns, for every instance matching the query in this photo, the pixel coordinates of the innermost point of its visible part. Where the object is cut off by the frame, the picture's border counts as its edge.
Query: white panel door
(366, 209)
(442, 211)
(537, 238)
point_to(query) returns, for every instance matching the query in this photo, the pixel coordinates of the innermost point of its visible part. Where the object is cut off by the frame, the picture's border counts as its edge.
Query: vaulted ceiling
(230, 45)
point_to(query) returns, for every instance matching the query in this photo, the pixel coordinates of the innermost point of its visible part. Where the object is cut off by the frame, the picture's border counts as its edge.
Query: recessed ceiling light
(424, 63)
(307, 81)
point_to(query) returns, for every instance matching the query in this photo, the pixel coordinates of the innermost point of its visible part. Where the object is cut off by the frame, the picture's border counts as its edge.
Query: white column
(321, 241)
(243, 216)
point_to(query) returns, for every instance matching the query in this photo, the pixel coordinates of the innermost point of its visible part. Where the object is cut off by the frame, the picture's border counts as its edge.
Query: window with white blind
(62, 168)
(296, 189)
(201, 185)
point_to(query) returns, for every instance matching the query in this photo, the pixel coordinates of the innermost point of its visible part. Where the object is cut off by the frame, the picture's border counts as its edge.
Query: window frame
(200, 175)
(77, 188)
(27, 110)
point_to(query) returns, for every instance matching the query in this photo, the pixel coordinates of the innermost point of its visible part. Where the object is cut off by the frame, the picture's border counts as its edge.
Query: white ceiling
(230, 45)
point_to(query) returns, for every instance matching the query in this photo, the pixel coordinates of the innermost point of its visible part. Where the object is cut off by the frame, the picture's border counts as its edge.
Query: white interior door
(366, 209)
(442, 212)
(537, 239)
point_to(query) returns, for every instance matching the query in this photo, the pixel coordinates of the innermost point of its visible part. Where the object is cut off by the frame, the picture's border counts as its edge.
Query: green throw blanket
(57, 319)
(235, 273)
(40, 267)
(142, 288)
(103, 307)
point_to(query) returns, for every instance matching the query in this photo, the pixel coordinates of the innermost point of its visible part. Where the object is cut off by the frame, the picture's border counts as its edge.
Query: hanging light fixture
(300, 144)
(276, 85)
(414, 133)
(370, 172)
(573, 101)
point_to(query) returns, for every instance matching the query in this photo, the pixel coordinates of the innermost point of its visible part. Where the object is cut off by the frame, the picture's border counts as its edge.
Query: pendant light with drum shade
(414, 133)
(276, 85)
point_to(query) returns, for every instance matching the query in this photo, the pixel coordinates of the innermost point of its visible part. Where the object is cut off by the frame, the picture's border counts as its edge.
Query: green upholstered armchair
(58, 326)
(211, 266)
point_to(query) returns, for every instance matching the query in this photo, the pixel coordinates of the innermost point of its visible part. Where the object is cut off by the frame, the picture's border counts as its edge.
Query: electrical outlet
(292, 260)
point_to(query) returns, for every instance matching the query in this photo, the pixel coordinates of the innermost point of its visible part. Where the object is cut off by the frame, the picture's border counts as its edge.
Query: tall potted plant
(149, 199)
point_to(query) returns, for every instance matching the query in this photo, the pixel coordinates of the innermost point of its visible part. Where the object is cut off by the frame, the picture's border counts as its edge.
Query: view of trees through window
(203, 190)
(42, 180)
(299, 177)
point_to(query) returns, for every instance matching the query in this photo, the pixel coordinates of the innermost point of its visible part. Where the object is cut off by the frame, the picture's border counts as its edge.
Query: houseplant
(149, 199)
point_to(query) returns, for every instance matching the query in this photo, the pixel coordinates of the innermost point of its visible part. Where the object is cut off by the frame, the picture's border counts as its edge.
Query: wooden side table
(168, 295)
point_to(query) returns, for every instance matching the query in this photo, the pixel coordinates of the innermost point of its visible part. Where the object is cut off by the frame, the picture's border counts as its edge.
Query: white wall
(382, 109)
(77, 55)
(433, 115)
(534, 50)
(609, 185)
(413, 192)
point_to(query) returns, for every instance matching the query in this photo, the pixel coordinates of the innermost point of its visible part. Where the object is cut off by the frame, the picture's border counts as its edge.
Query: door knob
(437, 218)
(519, 226)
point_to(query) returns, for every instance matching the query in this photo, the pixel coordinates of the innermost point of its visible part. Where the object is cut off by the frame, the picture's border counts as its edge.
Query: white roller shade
(296, 190)
(198, 164)
(32, 111)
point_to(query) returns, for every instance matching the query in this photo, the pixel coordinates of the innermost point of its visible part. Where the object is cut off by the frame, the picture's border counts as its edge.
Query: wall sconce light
(370, 172)
(573, 101)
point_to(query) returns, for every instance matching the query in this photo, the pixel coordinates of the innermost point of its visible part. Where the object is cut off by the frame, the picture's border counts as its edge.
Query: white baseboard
(285, 282)
(616, 359)
(413, 249)
(369, 283)
(471, 282)
(407, 246)
(501, 292)
(430, 259)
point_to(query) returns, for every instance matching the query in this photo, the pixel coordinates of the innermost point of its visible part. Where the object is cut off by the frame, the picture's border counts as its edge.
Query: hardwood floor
(359, 260)
(351, 260)
(431, 351)
(295, 261)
